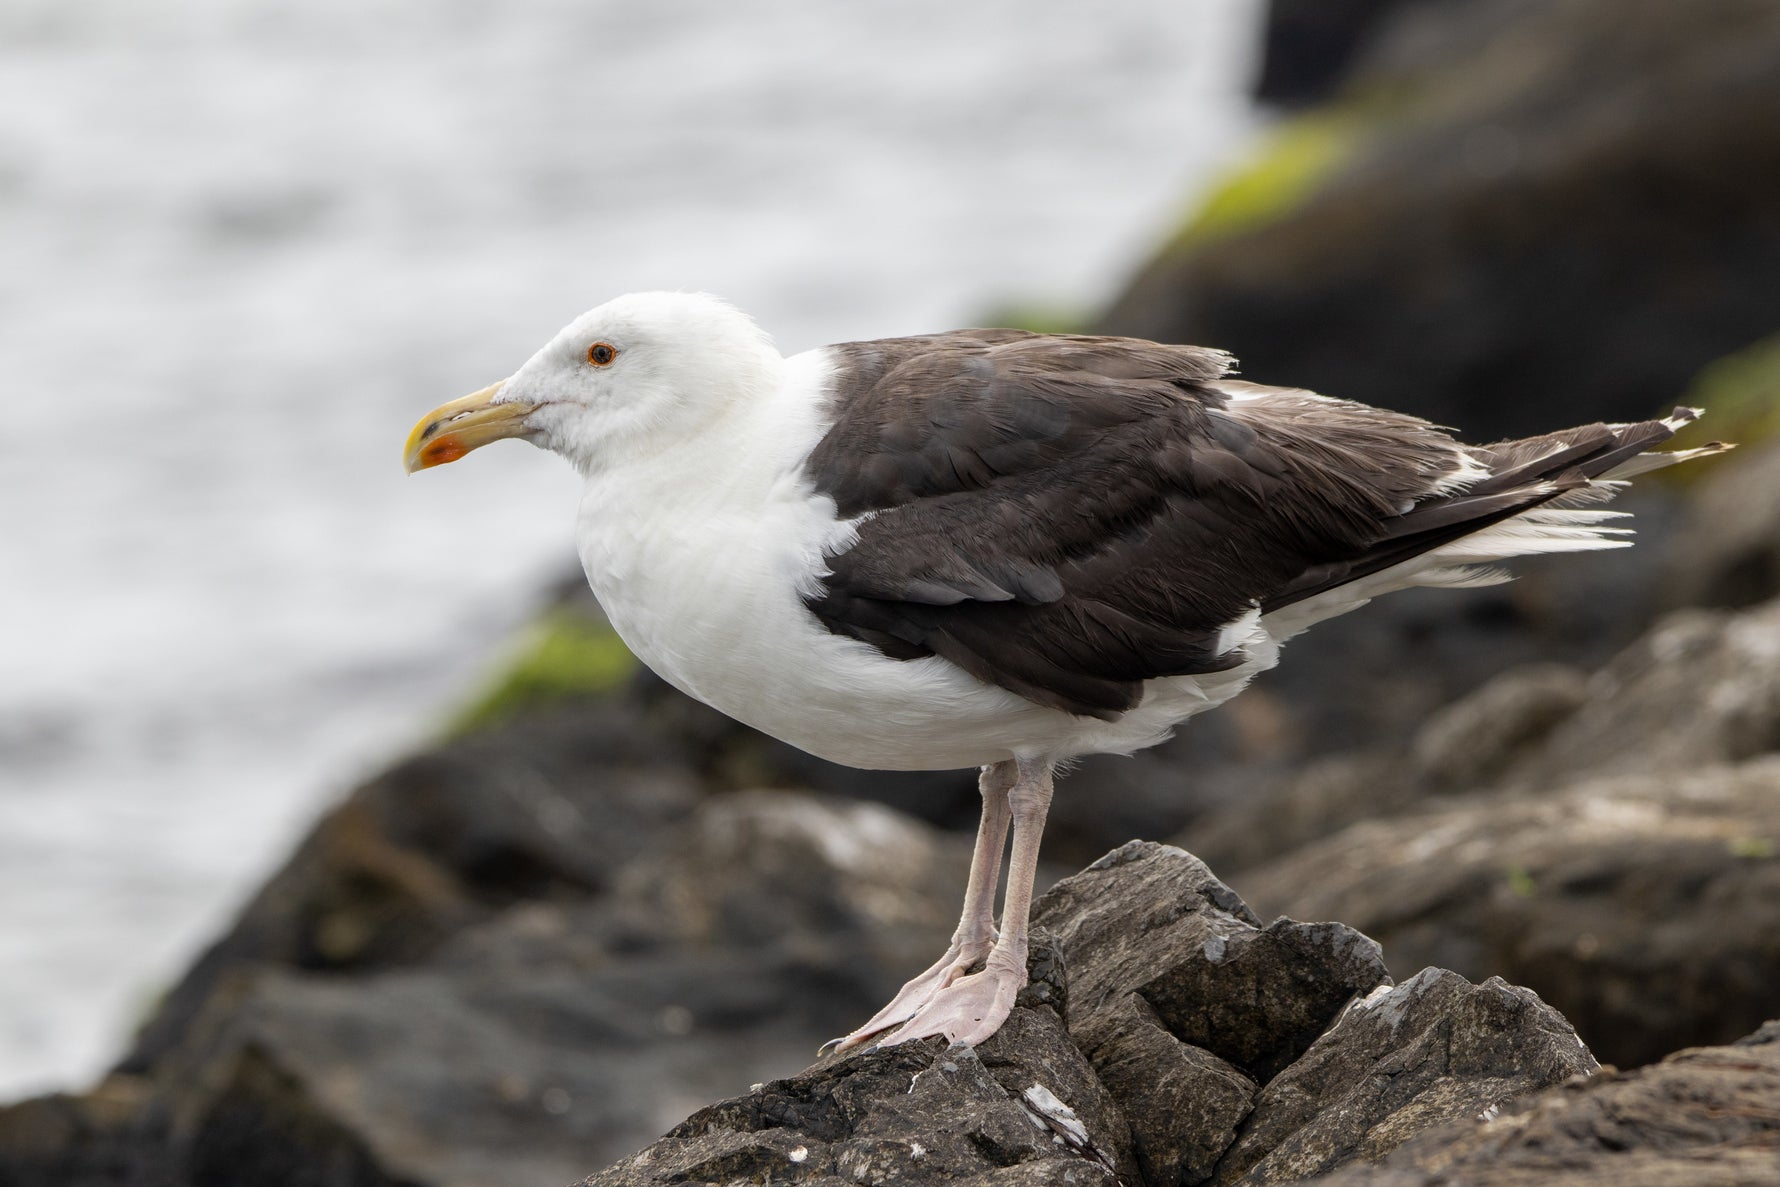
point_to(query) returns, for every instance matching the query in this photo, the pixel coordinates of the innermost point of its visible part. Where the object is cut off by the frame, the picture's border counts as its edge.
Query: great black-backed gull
(997, 549)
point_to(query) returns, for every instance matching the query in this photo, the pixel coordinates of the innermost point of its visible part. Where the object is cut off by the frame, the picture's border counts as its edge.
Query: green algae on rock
(564, 656)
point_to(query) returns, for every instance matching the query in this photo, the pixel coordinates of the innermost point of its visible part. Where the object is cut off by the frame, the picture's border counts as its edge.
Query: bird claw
(967, 1011)
(913, 997)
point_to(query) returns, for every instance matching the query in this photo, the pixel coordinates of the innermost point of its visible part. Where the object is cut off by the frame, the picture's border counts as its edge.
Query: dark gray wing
(1067, 517)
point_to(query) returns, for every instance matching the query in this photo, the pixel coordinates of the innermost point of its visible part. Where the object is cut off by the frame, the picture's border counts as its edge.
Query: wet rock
(1707, 1117)
(1645, 907)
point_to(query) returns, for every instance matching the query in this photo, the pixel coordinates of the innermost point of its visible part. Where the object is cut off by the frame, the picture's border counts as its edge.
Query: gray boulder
(1707, 1117)
(1700, 688)
(1194, 1045)
(1607, 839)
(1645, 907)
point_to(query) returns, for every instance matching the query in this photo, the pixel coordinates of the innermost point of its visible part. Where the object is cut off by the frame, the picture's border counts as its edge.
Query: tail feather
(1528, 496)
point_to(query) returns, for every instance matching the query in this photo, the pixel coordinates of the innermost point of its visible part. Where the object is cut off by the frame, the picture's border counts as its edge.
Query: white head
(629, 377)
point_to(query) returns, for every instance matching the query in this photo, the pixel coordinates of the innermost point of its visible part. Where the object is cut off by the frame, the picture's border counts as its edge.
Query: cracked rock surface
(1194, 1044)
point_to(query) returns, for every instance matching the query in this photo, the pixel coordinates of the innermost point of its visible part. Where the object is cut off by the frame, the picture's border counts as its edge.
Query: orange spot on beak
(452, 430)
(445, 449)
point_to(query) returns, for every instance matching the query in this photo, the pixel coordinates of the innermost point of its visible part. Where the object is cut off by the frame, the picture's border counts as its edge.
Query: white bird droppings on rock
(1055, 1114)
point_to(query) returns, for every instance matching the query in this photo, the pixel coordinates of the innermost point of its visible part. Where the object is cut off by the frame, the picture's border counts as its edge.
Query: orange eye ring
(601, 354)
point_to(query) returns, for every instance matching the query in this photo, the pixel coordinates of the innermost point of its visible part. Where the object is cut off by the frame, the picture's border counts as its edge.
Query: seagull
(998, 549)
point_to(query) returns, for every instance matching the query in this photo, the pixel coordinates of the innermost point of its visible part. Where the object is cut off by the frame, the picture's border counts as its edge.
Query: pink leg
(971, 1008)
(976, 927)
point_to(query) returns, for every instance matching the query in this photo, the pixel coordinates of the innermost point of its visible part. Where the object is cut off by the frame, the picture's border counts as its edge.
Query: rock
(1185, 1003)
(1401, 1061)
(549, 1035)
(102, 1137)
(1154, 922)
(1708, 1117)
(1728, 553)
(1185, 1105)
(1480, 738)
(1462, 747)
(851, 884)
(1608, 840)
(1196, 1045)
(1168, 1036)
(1645, 907)
(1560, 221)
(1701, 688)
(1024, 1108)
(1308, 45)
(547, 807)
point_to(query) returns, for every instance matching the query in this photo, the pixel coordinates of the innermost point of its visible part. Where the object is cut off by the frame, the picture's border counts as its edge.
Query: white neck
(709, 527)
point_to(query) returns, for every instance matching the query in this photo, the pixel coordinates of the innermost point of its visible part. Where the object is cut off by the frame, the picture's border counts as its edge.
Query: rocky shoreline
(1546, 815)
(526, 953)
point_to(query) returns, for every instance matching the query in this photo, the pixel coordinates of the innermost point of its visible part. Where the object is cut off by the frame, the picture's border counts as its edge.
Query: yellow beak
(452, 430)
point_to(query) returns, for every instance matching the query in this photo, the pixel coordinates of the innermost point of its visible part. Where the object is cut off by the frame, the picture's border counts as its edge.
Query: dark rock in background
(544, 808)
(1308, 46)
(1612, 841)
(1561, 221)
(1726, 551)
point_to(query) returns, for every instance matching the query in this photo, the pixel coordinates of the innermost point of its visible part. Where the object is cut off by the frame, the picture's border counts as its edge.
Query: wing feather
(1070, 516)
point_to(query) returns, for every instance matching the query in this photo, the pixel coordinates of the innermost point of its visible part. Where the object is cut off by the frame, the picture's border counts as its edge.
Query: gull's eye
(601, 354)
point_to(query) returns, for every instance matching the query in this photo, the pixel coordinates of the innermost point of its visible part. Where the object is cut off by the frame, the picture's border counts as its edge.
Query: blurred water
(246, 242)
